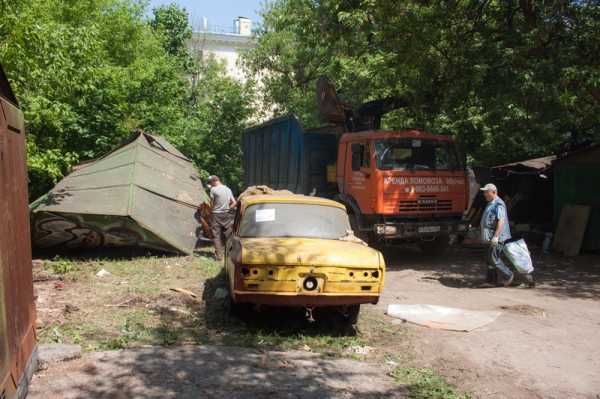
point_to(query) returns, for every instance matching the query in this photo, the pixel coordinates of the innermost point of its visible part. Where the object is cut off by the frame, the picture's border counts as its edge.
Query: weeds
(62, 266)
(425, 383)
(134, 307)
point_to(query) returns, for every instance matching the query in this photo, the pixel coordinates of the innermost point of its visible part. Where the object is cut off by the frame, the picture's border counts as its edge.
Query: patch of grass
(134, 306)
(314, 341)
(60, 265)
(425, 383)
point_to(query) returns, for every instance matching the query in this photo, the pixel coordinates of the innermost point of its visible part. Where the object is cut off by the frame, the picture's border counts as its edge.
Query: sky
(218, 12)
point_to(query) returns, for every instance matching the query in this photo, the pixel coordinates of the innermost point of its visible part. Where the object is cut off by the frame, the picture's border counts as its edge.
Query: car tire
(350, 315)
(239, 310)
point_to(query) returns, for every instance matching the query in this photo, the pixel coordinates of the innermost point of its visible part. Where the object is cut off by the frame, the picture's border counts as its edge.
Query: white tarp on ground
(441, 317)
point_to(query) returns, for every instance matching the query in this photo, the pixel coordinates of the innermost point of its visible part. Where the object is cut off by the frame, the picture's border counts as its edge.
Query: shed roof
(535, 163)
(589, 154)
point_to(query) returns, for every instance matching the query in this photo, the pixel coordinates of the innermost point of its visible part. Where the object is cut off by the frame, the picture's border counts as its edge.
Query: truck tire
(435, 247)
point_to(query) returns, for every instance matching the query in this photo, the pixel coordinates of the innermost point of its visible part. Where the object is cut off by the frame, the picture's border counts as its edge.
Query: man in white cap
(495, 231)
(221, 219)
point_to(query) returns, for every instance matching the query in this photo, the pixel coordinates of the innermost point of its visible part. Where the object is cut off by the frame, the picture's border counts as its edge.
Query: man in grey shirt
(221, 219)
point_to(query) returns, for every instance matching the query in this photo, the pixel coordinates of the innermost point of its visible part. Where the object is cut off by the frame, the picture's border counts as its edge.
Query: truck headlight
(383, 229)
(390, 230)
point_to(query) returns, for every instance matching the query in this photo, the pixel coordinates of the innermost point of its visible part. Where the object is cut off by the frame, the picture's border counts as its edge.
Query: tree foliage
(171, 23)
(87, 73)
(510, 79)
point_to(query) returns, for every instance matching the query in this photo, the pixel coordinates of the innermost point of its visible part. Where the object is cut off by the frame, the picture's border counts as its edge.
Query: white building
(224, 43)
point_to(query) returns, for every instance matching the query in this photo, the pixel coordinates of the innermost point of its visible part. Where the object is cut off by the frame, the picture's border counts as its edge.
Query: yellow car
(294, 250)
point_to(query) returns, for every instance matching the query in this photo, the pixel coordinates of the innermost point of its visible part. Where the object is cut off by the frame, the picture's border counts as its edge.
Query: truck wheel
(435, 247)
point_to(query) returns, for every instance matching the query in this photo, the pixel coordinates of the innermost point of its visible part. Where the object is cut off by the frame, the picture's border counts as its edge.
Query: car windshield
(417, 154)
(294, 220)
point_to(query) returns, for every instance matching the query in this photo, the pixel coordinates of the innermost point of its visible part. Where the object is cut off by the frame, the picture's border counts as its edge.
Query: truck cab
(402, 185)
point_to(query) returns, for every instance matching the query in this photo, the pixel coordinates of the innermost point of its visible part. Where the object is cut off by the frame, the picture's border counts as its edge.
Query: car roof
(288, 199)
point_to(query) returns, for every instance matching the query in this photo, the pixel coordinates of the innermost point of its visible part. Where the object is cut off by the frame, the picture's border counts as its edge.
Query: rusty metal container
(18, 354)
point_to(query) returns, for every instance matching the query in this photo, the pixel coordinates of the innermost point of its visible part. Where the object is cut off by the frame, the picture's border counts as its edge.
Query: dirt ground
(544, 345)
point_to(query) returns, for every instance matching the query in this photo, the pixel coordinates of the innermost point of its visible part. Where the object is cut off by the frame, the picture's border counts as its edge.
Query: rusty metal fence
(17, 311)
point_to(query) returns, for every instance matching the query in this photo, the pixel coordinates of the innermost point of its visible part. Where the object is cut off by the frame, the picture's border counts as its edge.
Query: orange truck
(397, 186)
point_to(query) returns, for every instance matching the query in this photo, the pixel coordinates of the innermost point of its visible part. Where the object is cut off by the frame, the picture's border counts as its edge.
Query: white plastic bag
(518, 254)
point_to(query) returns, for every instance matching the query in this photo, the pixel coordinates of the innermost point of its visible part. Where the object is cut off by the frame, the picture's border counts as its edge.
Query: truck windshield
(416, 154)
(294, 220)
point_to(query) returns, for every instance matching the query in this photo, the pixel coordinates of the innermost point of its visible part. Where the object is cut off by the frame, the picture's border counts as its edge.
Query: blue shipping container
(282, 155)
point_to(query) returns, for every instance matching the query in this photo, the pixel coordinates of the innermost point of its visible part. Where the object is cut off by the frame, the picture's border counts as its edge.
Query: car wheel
(239, 310)
(350, 314)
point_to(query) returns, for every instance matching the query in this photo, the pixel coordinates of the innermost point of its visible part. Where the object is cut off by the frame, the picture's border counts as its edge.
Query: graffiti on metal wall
(74, 232)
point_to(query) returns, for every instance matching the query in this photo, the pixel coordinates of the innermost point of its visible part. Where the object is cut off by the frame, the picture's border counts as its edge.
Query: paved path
(212, 372)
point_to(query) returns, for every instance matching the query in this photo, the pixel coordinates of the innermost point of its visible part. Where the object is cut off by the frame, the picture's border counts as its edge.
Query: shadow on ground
(217, 372)
(249, 361)
(461, 267)
(210, 320)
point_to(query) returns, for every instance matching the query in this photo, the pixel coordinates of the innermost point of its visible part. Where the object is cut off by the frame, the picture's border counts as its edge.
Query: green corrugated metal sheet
(577, 181)
(144, 193)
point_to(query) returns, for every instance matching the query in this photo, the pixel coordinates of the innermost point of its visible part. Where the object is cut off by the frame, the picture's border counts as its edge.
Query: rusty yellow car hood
(307, 251)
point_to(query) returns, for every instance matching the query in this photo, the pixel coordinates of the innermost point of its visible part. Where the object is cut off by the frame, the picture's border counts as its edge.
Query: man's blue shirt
(494, 211)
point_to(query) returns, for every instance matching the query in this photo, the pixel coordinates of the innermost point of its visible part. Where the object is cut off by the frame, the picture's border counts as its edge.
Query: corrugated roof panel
(147, 179)
(176, 222)
(96, 201)
(118, 176)
(168, 147)
(123, 156)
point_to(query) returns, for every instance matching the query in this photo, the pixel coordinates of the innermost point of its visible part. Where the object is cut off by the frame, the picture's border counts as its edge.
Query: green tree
(171, 23)
(510, 79)
(210, 134)
(87, 73)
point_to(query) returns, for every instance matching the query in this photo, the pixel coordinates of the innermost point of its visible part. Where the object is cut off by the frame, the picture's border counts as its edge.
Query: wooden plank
(571, 229)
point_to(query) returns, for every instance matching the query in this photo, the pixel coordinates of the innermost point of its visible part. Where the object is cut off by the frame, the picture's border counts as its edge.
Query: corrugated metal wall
(273, 155)
(576, 181)
(17, 312)
(281, 155)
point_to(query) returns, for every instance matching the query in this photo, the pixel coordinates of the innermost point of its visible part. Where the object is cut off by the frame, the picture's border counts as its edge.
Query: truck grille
(426, 205)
